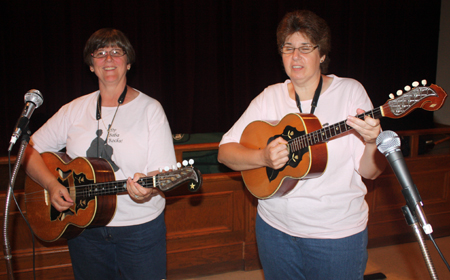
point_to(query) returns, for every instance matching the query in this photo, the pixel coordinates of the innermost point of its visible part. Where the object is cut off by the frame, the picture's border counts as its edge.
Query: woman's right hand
(59, 196)
(36, 169)
(276, 153)
(239, 158)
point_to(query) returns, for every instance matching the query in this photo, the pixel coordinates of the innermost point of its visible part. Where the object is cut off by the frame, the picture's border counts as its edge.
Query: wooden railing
(180, 149)
(414, 136)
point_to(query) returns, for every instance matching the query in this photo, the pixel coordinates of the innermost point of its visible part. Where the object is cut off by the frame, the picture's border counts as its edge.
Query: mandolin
(92, 186)
(307, 141)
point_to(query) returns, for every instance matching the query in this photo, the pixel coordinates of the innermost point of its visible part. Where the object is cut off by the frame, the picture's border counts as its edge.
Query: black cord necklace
(315, 99)
(99, 116)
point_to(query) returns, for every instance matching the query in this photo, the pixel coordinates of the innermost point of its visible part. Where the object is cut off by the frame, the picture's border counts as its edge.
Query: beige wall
(442, 116)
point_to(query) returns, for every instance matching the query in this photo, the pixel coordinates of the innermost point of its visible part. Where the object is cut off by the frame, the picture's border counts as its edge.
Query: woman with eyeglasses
(128, 129)
(317, 229)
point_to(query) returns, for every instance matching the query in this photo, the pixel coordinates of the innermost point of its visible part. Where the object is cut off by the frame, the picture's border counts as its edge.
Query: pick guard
(71, 178)
(295, 158)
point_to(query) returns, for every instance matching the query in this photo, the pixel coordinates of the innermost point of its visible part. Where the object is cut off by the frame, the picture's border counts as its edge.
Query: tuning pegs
(399, 92)
(190, 162)
(416, 83)
(164, 169)
(177, 166)
(407, 88)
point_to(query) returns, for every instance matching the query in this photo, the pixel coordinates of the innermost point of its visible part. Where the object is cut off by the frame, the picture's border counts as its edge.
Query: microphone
(388, 143)
(33, 99)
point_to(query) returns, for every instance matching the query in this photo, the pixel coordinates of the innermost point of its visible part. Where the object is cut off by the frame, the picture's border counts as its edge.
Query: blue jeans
(132, 252)
(286, 257)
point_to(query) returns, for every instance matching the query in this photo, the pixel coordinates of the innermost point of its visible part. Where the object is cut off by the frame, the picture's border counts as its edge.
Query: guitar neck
(108, 188)
(326, 133)
(163, 181)
(429, 98)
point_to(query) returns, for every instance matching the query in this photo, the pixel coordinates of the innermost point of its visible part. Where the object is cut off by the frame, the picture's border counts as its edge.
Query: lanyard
(99, 102)
(315, 99)
(99, 116)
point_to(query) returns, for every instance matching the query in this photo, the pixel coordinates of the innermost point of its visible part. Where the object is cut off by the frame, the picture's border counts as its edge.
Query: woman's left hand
(137, 192)
(369, 128)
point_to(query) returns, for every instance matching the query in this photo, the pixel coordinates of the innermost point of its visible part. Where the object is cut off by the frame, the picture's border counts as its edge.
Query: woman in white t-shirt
(318, 230)
(128, 129)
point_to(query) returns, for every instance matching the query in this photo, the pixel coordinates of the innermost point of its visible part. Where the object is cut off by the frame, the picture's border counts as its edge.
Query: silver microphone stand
(411, 220)
(9, 194)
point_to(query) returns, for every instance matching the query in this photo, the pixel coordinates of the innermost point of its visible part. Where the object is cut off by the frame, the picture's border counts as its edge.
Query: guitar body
(309, 162)
(48, 223)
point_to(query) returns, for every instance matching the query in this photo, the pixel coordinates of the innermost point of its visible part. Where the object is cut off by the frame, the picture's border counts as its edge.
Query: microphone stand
(411, 220)
(9, 194)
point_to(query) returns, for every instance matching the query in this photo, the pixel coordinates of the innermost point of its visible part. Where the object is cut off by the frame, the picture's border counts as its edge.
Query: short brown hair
(310, 25)
(108, 37)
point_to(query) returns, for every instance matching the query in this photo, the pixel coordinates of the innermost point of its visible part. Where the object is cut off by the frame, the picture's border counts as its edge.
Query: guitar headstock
(428, 98)
(169, 180)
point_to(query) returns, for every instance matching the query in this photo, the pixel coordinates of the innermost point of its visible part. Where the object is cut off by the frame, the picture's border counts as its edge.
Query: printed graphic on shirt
(100, 148)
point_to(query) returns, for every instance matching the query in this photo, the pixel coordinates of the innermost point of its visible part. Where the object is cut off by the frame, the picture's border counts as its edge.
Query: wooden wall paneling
(52, 259)
(386, 222)
(205, 230)
(251, 257)
(48, 273)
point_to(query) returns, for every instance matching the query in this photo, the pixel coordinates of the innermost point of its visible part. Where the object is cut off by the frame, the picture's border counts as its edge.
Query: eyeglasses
(303, 49)
(112, 53)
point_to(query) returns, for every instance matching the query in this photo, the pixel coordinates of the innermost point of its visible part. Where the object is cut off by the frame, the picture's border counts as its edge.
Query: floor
(399, 262)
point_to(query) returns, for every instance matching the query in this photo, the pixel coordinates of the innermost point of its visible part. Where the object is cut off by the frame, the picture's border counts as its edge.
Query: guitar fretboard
(398, 107)
(326, 133)
(108, 188)
(163, 181)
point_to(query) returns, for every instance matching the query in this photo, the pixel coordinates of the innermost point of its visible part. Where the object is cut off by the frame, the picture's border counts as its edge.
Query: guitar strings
(407, 100)
(316, 137)
(116, 187)
(146, 182)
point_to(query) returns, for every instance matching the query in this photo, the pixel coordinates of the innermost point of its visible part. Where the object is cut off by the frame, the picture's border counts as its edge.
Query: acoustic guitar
(92, 186)
(307, 141)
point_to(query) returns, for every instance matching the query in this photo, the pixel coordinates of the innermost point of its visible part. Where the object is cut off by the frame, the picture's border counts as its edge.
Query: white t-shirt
(332, 205)
(140, 140)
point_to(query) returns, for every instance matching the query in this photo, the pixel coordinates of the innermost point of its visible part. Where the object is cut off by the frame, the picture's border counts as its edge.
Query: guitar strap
(315, 99)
